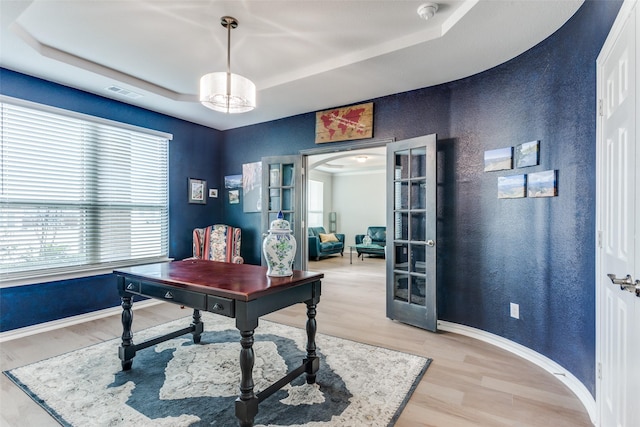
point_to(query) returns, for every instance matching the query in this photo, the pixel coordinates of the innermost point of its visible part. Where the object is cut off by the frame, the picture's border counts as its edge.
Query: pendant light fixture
(226, 92)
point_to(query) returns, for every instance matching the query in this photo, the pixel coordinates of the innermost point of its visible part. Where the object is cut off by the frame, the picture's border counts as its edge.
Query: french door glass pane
(418, 162)
(418, 290)
(402, 257)
(401, 287)
(418, 194)
(402, 165)
(418, 226)
(401, 197)
(402, 226)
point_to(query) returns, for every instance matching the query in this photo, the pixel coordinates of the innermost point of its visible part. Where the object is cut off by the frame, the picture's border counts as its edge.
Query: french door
(411, 232)
(618, 222)
(282, 191)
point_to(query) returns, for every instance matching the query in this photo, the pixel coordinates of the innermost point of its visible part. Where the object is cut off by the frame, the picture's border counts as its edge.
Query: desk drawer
(178, 296)
(223, 306)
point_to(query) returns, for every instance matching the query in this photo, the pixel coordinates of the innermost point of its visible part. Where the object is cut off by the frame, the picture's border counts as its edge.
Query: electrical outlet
(515, 310)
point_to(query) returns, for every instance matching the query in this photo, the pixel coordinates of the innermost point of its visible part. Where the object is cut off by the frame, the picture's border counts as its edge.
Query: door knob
(626, 283)
(431, 243)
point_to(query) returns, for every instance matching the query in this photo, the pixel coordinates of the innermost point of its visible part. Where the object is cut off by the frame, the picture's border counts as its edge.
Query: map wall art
(344, 124)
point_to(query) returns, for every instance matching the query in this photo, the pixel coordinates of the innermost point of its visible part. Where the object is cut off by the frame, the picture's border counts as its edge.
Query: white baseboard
(69, 321)
(566, 377)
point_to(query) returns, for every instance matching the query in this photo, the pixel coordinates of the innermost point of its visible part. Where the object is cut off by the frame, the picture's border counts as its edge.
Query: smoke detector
(427, 10)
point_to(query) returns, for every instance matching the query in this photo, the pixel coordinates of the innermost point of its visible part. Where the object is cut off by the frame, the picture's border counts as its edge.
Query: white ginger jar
(279, 248)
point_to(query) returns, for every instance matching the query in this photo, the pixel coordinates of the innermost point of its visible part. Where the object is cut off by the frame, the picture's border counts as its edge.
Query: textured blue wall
(193, 152)
(538, 253)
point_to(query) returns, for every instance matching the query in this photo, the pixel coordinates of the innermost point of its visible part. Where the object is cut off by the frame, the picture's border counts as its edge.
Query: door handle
(431, 243)
(626, 283)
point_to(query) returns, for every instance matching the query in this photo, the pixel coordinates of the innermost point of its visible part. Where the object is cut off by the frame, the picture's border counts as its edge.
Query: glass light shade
(213, 93)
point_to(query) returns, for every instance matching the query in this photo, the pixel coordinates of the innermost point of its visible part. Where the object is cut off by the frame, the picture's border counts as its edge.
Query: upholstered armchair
(378, 235)
(218, 242)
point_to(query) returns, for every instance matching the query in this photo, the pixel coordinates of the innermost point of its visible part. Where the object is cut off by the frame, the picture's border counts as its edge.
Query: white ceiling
(303, 56)
(346, 162)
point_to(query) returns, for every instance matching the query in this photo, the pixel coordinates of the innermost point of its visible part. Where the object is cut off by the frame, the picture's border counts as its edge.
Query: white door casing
(618, 224)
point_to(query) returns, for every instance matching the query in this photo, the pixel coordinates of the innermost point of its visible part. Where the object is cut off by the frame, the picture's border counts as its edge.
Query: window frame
(44, 275)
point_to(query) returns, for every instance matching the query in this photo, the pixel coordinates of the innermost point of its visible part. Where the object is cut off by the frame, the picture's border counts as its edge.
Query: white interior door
(618, 211)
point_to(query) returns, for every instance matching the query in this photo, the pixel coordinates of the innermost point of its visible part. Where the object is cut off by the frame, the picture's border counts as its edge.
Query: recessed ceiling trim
(79, 62)
(430, 33)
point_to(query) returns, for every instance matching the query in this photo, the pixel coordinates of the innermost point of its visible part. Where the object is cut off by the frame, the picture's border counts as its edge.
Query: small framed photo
(213, 192)
(500, 159)
(512, 187)
(233, 181)
(197, 189)
(234, 197)
(527, 154)
(543, 184)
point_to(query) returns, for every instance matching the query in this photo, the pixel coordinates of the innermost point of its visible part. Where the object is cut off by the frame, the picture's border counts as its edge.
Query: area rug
(179, 383)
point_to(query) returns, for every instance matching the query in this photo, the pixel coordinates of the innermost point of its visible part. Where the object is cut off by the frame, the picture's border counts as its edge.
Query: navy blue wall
(538, 253)
(194, 152)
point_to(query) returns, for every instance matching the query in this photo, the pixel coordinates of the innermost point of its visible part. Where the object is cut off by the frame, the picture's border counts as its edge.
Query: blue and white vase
(279, 248)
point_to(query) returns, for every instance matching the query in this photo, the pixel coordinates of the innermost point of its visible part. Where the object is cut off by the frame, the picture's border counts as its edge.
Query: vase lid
(280, 224)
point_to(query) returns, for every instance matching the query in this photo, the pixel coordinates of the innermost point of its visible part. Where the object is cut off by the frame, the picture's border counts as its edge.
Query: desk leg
(312, 361)
(198, 326)
(127, 350)
(247, 403)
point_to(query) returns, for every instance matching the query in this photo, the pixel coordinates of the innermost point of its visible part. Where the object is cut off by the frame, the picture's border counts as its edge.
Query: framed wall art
(197, 190)
(234, 197)
(543, 184)
(500, 159)
(527, 154)
(512, 187)
(233, 181)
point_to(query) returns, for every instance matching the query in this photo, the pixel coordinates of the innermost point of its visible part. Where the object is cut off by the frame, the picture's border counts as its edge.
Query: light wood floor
(469, 383)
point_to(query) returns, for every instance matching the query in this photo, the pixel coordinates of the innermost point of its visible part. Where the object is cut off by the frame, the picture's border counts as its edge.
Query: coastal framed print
(500, 159)
(527, 154)
(543, 184)
(512, 187)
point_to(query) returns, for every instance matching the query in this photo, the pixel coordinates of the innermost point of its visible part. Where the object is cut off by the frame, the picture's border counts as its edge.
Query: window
(78, 193)
(314, 211)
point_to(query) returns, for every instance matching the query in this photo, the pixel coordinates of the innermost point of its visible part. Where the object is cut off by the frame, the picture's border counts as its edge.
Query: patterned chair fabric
(218, 242)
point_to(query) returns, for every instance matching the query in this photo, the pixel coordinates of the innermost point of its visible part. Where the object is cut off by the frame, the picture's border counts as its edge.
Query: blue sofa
(378, 237)
(318, 249)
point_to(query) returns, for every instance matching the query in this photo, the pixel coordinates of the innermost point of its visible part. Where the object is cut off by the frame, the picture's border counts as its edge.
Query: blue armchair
(378, 237)
(319, 248)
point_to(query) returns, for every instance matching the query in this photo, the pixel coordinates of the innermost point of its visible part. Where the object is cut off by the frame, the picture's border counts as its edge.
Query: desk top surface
(243, 282)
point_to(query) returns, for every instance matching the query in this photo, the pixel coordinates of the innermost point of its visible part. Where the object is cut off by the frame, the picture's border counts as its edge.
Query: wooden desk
(239, 291)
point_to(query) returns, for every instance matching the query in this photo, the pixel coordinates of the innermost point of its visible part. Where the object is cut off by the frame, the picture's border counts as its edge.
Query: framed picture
(197, 189)
(512, 187)
(543, 184)
(234, 197)
(213, 192)
(233, 181)
(527, 154)
(500, 159)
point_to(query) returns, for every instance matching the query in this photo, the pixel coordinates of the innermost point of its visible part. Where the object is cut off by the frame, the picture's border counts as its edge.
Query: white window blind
(78, 194)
